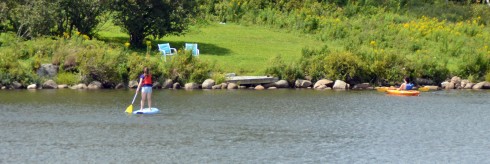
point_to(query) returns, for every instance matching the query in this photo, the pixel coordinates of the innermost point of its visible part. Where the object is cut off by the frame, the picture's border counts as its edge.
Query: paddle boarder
(146, 85)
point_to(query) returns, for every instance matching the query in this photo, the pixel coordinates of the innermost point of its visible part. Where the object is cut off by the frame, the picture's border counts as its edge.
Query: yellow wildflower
(373, 43)
(66, 35)
(86, 37)
(406, 25)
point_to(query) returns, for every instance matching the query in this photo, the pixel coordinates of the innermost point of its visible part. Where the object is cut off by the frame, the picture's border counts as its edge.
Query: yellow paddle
(130, 107)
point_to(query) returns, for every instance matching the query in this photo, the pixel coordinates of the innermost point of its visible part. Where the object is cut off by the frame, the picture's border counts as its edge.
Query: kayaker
(407, 85)
(145, 84)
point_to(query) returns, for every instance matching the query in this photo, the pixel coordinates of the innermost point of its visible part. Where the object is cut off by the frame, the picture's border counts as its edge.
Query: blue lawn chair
(193, 48)
(166, 50)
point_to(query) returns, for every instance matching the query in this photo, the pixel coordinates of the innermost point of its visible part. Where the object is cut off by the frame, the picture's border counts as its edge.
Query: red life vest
(147, 80)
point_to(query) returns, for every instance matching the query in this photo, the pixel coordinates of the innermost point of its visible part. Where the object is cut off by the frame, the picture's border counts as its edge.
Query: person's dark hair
(407, 79)
(146, 71)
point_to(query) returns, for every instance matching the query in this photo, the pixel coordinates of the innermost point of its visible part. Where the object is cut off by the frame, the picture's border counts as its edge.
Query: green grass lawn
(245, 50)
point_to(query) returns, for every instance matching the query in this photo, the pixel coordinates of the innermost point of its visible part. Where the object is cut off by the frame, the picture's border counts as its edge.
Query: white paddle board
(147, 111)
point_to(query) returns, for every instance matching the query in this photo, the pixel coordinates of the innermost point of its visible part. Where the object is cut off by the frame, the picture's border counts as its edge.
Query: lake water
(244, 126)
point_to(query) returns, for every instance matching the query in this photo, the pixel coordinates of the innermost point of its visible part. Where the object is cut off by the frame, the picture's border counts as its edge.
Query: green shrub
(102, 64)
(22, 73)
(429, 67)
(218, 77)
(487, 77)
(135, 65)
(343, 66)
(5, 78)
(185, 68)
(475, 64)
(7, 39)
(288, 72)
(312, 63)
(68, 78)
(472, 78)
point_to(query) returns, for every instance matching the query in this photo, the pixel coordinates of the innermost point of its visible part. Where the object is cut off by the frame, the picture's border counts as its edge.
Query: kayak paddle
(130, 107)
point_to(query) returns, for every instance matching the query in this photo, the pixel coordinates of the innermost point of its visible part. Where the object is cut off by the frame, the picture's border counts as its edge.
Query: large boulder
(444, 84)
(208, 84)
(482, 85)
(176, 86)
(79, 86)
(168, 83)
(486, 85)
(50, 84)
(323, 83)
(463, 83)
(133, 84)
(94, 85)
(216, 86)
(32, 86)
(277, 84)
(339, 84)
(468, 85)
(232, 86)
(190, 86)
(224, 85)
(302, 83)
(456, 81)
(47, 70)
(119, 86)
(259, 87)
(62, 86)
(281, 84)
(16, 85)
(157, 85)
(320, 87)
(450, 85)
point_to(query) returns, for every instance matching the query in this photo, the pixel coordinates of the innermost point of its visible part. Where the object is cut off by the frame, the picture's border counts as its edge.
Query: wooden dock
(251, 79)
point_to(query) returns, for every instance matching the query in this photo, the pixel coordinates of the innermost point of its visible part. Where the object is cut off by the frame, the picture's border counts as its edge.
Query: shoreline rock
(50, 84)
(453, 83)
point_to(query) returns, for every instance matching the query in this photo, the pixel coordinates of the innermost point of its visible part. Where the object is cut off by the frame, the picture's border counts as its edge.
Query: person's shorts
(146, 89)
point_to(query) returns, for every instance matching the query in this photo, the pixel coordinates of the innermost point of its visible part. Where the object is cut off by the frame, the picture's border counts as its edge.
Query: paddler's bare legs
(143, 97)
(149, 100)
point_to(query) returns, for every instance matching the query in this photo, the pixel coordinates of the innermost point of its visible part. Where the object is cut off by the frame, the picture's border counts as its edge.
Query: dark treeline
(34, 18)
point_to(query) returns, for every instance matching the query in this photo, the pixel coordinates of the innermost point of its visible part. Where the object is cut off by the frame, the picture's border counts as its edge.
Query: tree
(3, 15)
(157, 18)
(83, 15)
(33, 18)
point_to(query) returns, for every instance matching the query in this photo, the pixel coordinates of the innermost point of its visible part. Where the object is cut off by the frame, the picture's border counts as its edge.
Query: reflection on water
(243, 126)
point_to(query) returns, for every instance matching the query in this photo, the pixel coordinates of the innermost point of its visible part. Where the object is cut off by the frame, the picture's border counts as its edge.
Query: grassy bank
(245, 50)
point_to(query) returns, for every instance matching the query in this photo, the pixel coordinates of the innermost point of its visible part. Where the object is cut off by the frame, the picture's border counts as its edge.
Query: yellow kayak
(384, 89)
(424, 89)
(403, 92)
